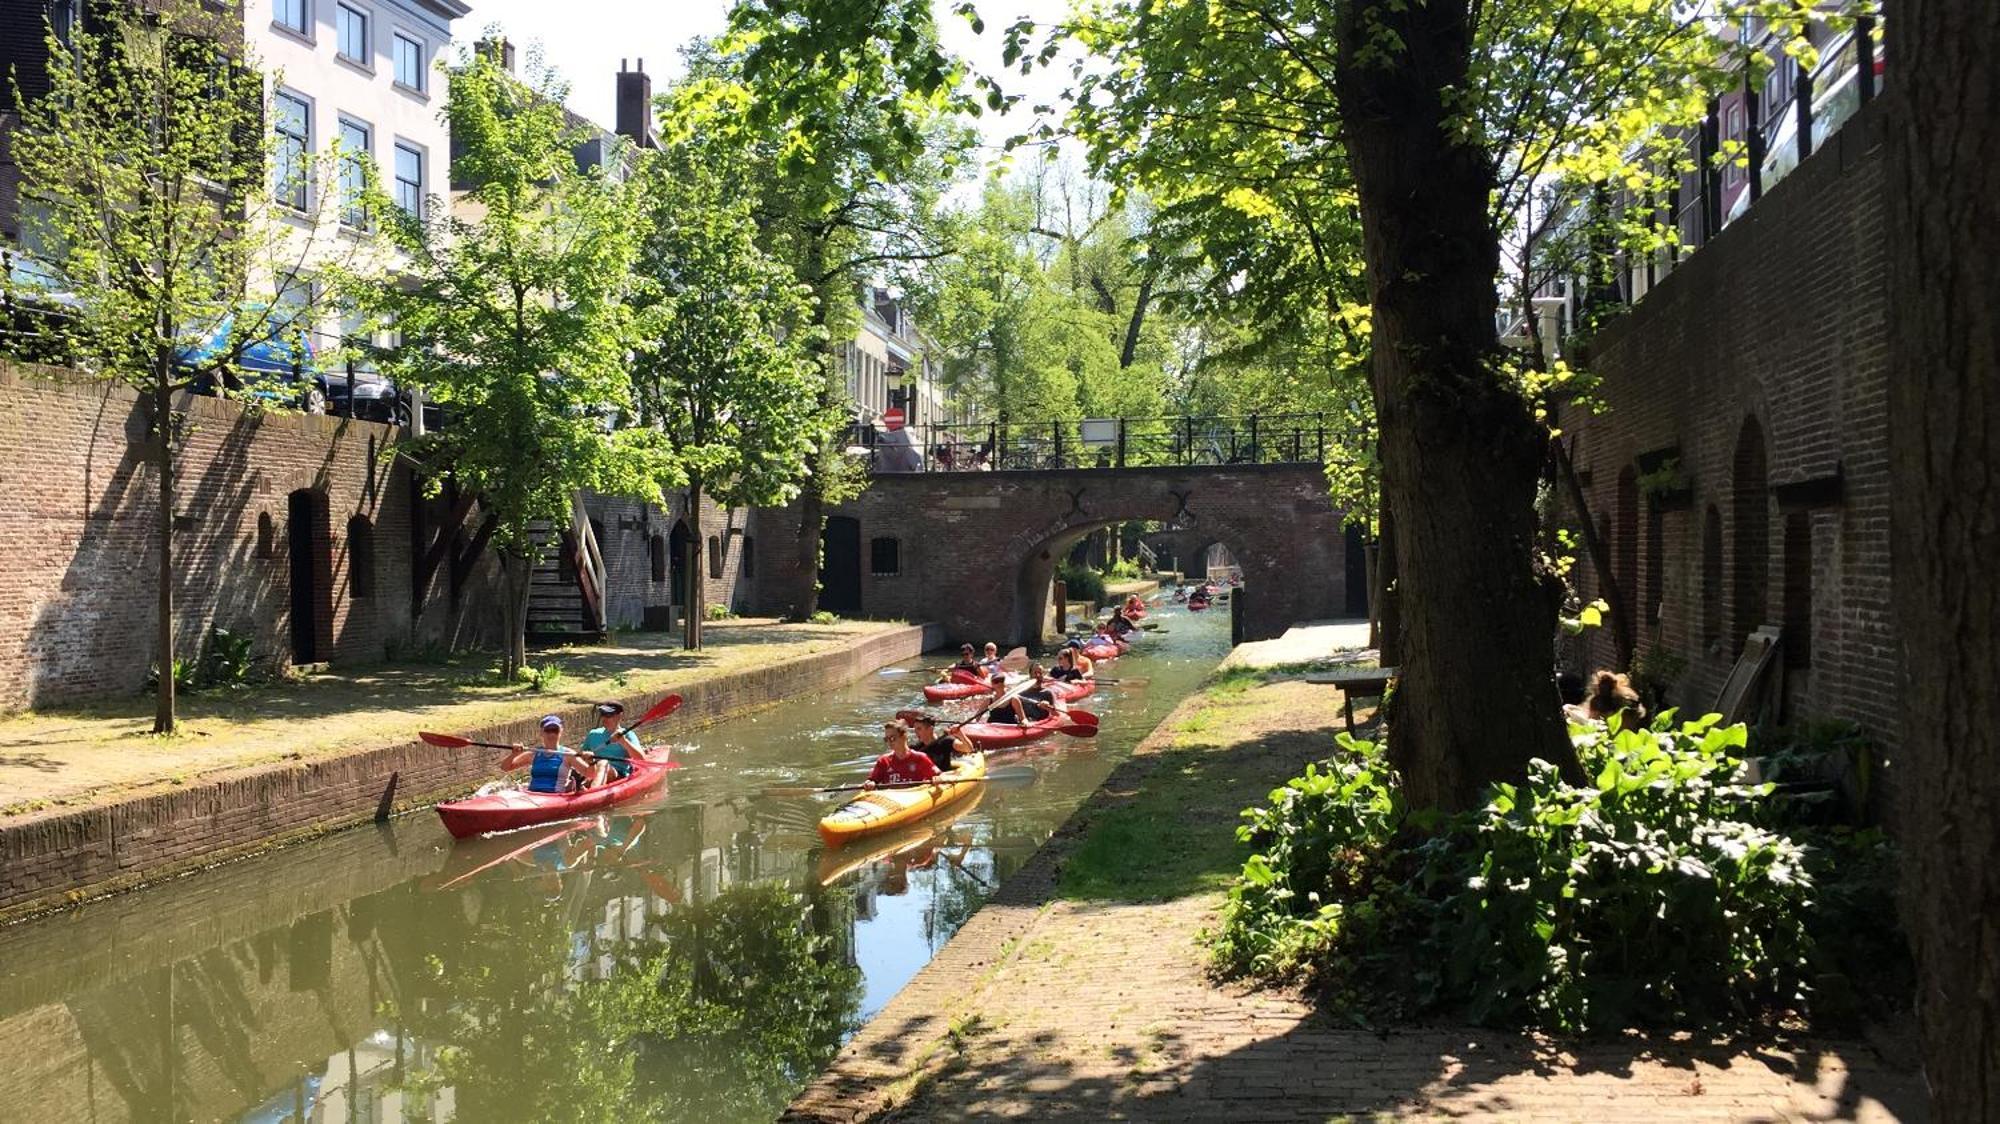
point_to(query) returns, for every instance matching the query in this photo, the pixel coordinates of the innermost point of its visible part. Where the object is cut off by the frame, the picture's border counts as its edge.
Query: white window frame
(397, 38)
(423, 174)
(367, 17)
(279, 189)
(349, 218)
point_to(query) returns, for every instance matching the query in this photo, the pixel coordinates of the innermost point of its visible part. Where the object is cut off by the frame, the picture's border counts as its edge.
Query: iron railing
(1098, 443)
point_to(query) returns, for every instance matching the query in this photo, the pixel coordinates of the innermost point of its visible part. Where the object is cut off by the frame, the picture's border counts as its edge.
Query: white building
(362, 75)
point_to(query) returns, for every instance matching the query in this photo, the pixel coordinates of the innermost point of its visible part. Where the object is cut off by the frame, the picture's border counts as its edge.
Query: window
(885, 558)
(350, 32)
(410, 180)
(360, 557)
(656, 554)
(746, 566)
(62, 20)
(354, 157)
(409, 59)
(714, 557)
(293, 121)
(1798, 589)
(267, 536)
(292, 15)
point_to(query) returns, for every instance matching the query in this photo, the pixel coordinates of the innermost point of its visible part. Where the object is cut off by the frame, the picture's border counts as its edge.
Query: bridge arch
(979, 549)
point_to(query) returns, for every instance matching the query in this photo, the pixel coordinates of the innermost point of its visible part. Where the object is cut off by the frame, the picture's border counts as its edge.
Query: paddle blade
(660, 710)
(1077, 730)
(1016, 660)
(444, 741)
(1083, 718)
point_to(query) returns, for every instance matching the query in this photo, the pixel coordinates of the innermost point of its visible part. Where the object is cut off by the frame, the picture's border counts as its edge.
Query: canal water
(699, 957)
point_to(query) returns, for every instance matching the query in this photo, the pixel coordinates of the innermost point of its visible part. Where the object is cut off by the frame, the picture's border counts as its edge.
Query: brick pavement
(1055, 1009)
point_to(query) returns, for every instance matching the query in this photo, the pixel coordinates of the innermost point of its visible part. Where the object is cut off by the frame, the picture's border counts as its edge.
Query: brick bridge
(976, 551)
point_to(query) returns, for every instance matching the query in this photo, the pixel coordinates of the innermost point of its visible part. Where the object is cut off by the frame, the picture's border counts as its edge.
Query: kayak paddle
(1077, 730)
(661, 709)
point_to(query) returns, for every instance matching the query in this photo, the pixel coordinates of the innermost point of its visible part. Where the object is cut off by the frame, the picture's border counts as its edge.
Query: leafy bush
(1124, 569)
(719, 613)
(1655, 894)
(542, 679)
(225, 660)
(1081, 583)
(824, 617)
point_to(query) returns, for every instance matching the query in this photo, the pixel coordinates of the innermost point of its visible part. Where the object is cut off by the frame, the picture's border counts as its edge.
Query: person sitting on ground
(1066, 669)
(554, 767)
(901, 765)
(968, 663)
(1019, 709)
(1610, 693)
(614, 747)
(941, 746)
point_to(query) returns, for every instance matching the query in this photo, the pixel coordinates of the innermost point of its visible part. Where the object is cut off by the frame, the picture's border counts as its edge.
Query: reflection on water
(698, 958)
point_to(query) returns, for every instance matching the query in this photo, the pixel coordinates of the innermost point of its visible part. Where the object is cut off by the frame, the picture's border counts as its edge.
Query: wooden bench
(1368, 682)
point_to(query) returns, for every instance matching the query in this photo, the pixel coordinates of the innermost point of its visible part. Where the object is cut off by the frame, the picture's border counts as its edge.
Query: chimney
(635, 106)
(499, 50)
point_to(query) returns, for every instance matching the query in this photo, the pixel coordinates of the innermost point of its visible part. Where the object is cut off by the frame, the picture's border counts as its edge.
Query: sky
(585, 41)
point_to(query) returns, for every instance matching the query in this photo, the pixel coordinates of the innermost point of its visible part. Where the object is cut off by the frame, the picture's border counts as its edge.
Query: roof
(449, 9)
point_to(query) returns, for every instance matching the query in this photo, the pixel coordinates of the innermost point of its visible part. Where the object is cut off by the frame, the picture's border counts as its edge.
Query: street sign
(892, 418)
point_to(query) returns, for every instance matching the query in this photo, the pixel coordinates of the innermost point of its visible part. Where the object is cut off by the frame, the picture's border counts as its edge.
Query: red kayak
(1102, 648)
(517, 807)
(1000, 735)
(1064, 691)
(1195, 606)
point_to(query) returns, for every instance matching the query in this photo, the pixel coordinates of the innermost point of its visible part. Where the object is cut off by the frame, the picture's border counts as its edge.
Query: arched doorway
(677, 563)
(311, 573)
(840, 565)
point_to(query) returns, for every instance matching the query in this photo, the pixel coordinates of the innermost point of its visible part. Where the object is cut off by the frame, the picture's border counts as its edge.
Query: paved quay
(1058, 1002)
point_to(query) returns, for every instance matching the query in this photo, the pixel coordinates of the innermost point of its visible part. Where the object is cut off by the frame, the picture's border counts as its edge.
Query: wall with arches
(1741, 464)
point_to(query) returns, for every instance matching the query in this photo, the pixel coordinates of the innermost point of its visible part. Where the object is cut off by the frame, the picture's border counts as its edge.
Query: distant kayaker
(614, 754)
(552, 768)
(901, 765)
(1120, 624)
(991, 663)
(941, 747)
(968, 662)
(1134, 604)
(1084, 663)
(1066, 669)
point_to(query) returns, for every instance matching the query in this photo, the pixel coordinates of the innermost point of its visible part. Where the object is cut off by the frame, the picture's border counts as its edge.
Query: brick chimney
(499, 50)
(635, 106)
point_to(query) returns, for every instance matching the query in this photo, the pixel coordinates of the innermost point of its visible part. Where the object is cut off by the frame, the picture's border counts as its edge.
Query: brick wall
(976, 551)
(79, 510)
(637, 599)
(1762, 365)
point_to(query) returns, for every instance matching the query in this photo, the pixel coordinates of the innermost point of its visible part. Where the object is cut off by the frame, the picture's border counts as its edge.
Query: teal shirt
(599, 742)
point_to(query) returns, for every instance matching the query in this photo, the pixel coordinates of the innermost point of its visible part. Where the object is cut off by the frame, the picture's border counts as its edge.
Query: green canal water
(698, 957)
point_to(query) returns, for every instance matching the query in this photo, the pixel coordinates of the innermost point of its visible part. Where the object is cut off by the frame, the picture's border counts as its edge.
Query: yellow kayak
(885, 808)
(836, 863)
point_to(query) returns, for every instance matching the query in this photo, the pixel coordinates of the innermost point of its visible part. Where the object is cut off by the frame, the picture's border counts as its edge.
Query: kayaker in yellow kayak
(941, 748)
(614, 755)
(901, 765)
(552, 768)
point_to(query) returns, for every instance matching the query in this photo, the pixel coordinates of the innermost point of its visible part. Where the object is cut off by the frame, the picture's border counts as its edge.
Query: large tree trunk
(163, 640)
(697, 588)
(1461, 451)
(1944, 410)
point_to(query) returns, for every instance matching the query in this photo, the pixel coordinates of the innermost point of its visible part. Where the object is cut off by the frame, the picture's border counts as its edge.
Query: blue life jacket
(545, 773)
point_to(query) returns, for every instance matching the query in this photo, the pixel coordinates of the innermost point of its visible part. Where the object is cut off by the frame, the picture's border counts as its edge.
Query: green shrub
(542, 679)
(225, 660)
(1081, 583)
(824, 617)
(719, 613)
(1122, 570)
(1655, 894)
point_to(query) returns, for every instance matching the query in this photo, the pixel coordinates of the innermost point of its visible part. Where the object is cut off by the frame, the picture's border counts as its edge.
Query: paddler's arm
(518, 759)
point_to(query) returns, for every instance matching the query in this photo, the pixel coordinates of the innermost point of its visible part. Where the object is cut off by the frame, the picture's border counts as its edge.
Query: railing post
(1121, 442)
(1256, 453)
(350, 387)
(993, 444)
(1802, 95)
(1319, 435)
(1057, 426)
(1187, 449)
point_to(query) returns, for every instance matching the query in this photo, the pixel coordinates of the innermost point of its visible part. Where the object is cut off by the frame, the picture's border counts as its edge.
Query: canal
(698, 957)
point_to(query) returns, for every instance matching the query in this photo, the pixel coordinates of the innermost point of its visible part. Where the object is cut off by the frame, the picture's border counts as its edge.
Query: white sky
(585, 39)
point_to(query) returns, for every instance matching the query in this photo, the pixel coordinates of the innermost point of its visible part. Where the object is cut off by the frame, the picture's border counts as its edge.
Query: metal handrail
(1187, 440)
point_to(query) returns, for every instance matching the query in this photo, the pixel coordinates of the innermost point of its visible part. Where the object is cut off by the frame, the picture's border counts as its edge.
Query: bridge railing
(1101, 443)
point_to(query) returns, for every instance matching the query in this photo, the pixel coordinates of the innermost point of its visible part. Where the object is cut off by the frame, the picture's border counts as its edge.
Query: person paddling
(1084, 664)
(942, 747)
(901, 765)
(1134, 605)
(614, 754)
(968, 664)
(1066, 669)
(991, 663)
(552, 768)
(1021, 709)
(1120, 624)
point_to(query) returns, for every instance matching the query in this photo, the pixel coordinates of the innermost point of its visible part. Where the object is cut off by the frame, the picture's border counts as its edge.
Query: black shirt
(939, 750)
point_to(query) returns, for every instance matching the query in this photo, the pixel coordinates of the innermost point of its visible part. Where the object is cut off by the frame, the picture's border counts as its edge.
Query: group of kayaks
(872, 813)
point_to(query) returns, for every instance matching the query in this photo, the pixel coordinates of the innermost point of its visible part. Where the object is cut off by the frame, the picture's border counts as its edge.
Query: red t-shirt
(890, 769)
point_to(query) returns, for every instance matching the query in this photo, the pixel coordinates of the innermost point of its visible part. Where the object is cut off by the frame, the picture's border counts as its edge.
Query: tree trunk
(1944, 408)
(1461, 451)
(1389, 626)
(163, 640)
(697, 588)
(517, 573)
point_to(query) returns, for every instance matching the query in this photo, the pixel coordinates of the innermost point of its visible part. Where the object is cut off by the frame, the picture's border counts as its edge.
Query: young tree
(1944, 408)
(514, 318)
(727, 357)
(151, 190)
(851, 106)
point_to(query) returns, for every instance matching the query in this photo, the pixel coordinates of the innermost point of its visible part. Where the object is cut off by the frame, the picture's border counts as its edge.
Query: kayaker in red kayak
(1069, 667)
(1120, 624)
(991, 663)
(1028, 707)
(901, 765)
(1134, 605)
(614, 754)
(1084, 664)
(968, 663)
(552, 768)
(940, 746)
